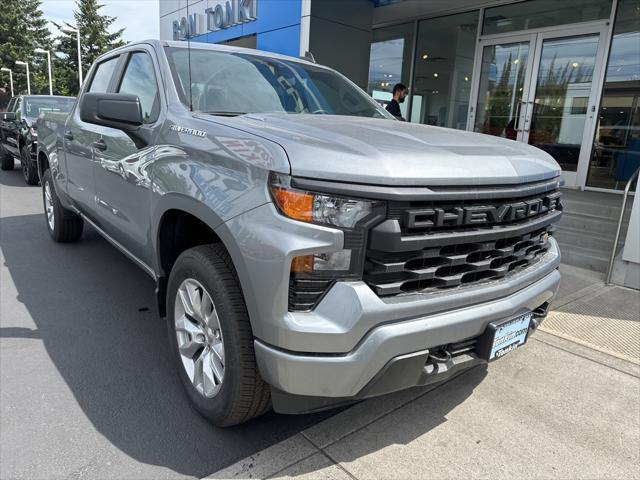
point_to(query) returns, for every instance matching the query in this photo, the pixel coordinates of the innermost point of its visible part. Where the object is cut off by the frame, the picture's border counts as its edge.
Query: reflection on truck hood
(388, 152)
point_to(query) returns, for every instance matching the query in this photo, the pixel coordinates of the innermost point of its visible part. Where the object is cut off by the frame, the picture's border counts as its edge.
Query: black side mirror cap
(114, 110)
(9, 116)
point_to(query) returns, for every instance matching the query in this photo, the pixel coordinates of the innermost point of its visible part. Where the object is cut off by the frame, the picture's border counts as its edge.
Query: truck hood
(389, 152)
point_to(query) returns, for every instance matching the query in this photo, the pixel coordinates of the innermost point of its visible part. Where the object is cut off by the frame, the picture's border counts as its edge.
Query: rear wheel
(6, 159)
(29, 170)
(211, 337)
(63, 225)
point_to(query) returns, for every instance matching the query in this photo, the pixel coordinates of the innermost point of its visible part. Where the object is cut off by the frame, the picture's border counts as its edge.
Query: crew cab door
(122, 171)
(79, 138)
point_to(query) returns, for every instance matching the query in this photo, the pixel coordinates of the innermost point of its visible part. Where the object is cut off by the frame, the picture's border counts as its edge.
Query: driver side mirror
(9, 116)
(114, 110)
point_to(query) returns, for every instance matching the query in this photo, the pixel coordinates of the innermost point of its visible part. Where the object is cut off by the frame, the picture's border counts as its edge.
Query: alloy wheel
(199, 336)
(25, 170)
(48, 199)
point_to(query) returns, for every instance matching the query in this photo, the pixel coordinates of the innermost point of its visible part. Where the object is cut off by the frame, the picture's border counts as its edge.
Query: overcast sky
(139, 18)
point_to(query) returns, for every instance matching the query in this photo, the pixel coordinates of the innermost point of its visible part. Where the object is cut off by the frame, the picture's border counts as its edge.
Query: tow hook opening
(440, 356)
(438, 361)
(539, 314)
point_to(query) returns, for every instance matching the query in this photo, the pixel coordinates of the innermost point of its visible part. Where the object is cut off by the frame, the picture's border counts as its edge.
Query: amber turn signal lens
(296, 205)
(302, 264)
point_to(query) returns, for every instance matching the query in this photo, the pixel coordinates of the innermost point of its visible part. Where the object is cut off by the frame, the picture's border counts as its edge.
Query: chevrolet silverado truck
(18, 131)
(308, 249)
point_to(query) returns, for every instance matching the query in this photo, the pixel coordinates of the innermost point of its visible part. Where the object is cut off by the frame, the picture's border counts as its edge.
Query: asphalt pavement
(88, 389)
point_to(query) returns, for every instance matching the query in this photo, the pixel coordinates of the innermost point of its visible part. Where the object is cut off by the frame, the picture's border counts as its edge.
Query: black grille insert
(453, 265)
(429, 245)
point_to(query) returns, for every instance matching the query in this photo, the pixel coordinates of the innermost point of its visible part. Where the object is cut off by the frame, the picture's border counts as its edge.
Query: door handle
(68, 135)
(99, 145)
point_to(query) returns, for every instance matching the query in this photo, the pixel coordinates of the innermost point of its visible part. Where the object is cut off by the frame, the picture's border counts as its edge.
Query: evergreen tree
(95, 39)
(23, 28)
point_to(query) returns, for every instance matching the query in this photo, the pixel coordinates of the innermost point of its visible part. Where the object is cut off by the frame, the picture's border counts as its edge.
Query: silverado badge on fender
(188, 131)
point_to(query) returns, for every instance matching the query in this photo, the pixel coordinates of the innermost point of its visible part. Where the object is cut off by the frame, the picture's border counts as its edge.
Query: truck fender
(178, 201)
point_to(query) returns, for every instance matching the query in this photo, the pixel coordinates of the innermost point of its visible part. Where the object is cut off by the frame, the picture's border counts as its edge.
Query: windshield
(34, 106)
(237, 83)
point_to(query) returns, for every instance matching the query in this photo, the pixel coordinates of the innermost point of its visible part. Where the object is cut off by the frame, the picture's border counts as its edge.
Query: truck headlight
(318, 208)
(312, 275)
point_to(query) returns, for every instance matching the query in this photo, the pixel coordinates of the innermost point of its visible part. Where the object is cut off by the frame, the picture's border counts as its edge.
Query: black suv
(18, 130)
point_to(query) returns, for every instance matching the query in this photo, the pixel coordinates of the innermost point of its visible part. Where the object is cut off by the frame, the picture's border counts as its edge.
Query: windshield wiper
(226, 114)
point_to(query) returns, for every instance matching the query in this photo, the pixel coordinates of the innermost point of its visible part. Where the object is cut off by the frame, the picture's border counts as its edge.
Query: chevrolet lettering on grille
(474, 215)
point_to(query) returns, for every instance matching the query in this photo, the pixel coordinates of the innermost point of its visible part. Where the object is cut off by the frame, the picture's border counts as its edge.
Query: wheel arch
(22, 142)
(43, 162)
(175, 214)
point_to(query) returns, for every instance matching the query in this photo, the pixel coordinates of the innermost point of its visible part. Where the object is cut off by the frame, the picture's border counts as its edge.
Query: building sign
(224, 14)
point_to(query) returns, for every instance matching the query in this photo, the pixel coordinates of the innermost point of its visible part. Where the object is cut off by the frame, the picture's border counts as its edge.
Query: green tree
(22, 28)
(95, 39)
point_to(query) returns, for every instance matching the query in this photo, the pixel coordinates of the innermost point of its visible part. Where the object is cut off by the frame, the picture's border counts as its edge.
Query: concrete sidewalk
(565, 406)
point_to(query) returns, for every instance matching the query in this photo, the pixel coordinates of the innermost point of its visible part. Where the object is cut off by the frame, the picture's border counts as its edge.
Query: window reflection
(616, 150)
(500, 95)
(443, 68)
(543, 13)
(562, 91)
(390, 62)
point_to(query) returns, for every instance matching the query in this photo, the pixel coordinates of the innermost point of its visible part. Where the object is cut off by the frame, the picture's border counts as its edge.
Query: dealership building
(563, 75)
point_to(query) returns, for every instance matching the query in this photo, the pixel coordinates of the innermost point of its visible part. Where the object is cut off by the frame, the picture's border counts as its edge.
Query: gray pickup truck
(308, 249)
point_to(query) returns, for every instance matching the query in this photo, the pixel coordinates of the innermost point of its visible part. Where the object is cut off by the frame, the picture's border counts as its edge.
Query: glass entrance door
(501, 98)
(561, 109)
(540, 88)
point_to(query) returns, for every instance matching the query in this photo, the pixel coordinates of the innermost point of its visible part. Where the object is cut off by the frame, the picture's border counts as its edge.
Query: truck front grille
(428, 246)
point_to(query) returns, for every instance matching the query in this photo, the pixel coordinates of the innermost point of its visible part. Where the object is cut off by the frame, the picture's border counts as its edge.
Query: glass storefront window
(616, 151)
(543, 13)
(390, 61)
(443, 68)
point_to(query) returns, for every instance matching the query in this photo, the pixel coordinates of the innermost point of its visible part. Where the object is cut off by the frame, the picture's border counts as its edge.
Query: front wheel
(63, 225)
(211, 337)
(29, 170)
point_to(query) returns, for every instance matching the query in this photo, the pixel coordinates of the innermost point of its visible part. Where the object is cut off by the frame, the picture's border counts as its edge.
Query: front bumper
(307, 382)
(333, 353)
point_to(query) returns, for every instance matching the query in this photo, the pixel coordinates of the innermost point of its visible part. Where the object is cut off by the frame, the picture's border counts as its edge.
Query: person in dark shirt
(399, 93)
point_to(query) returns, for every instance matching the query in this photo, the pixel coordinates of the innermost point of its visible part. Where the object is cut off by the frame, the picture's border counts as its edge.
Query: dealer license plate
(502, 338)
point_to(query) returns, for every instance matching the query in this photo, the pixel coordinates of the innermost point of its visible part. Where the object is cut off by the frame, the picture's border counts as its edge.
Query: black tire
(66, 225)
(6, 159)
(243, 394)
(29, 170)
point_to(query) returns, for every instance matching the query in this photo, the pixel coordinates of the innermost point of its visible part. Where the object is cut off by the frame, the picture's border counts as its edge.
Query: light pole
(5, 69)
(77, 32)
(19, 62)
(42, 50)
